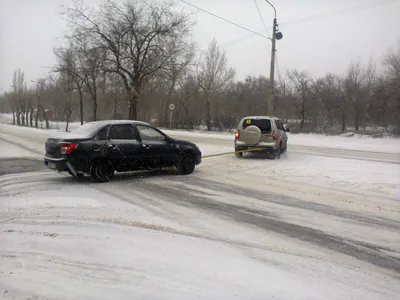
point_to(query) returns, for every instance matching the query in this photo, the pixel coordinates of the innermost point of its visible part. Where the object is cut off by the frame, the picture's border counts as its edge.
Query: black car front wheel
(186, 164)
(102, 171)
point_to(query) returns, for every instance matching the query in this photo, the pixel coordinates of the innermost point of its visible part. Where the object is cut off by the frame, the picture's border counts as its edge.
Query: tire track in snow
(264, 220)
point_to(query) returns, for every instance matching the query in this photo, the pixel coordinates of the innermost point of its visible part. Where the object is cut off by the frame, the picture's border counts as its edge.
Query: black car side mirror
(287, 129)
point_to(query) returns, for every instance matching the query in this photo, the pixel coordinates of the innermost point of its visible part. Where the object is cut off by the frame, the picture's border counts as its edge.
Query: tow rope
(233, 152)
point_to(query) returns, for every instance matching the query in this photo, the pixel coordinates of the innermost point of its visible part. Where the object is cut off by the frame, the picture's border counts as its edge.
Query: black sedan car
(104, 147)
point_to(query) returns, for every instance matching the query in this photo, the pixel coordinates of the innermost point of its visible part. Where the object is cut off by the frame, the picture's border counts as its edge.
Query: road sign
(171, 106)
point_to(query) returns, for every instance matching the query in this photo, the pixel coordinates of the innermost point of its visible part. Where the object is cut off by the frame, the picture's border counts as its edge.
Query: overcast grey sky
(29, 29)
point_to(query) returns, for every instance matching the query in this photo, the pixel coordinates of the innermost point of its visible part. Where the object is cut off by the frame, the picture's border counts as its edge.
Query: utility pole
(276, 35)
(272, 72)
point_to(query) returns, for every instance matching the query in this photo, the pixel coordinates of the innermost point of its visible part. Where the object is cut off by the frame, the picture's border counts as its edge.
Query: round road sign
(172, 106)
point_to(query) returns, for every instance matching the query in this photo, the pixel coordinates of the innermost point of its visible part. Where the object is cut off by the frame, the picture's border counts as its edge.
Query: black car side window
(122, 132)
(149, 134)
(102, 134)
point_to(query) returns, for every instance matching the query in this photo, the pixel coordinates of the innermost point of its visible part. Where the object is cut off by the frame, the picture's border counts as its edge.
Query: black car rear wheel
(186, 165)
(102, 171)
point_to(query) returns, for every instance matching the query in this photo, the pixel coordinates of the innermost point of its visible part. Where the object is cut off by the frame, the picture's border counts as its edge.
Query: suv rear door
(265, 126)
(124, 149)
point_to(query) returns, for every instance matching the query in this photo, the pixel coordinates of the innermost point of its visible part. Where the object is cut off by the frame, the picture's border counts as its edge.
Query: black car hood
(182, 142)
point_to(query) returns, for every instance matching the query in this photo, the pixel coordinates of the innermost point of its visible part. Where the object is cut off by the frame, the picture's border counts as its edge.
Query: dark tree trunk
(303, 114)
(343, 120)
(23, 118)
(30, 110)
(45, 116)
(37, 112)
(37, 117)
(133, 104)
(303, 107)
(68, 113)
(27, 116)
(115, 108)
(80, 103)
(208, 114)
(357, 119)
(18, 114)
(13, 113)
(95, 111)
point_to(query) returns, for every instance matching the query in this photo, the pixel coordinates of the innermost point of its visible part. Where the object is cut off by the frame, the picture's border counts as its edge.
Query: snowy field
(323, 222)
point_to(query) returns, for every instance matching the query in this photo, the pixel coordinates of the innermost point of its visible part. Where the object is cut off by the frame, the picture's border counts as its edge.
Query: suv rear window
(263, 124)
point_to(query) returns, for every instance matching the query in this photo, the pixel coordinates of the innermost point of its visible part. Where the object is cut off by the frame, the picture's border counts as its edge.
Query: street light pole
(275, 36)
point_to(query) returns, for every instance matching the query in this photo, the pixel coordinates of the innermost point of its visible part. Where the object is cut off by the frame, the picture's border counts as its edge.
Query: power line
(338, 12)
(223, 19)
(262, 19)
(298, 21)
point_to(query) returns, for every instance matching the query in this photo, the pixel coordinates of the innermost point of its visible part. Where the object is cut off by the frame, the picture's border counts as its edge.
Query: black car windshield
(263, 124)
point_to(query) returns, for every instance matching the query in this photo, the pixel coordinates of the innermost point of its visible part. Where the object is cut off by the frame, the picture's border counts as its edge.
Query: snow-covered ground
(327, 227)
(8, 150)
(63, 239)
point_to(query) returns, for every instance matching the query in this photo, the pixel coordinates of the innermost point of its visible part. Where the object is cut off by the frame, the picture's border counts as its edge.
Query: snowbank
(349, 142)
(356, 142)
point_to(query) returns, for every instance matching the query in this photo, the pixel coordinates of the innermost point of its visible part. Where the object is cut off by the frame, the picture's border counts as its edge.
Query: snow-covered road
(304, 227)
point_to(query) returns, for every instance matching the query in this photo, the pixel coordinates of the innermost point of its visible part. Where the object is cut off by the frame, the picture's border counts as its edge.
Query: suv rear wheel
(277, 153)
(283, 150)
(238, 154)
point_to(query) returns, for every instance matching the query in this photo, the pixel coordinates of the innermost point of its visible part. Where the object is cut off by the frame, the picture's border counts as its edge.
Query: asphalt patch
(20, 165)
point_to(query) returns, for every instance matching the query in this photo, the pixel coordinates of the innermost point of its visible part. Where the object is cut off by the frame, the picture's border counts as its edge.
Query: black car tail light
(67, 148)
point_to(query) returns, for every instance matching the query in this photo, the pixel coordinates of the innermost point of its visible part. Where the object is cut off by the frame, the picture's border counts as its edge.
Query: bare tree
(213, 75)
(19, 89)
(40, 110)
(181, 54)
(134, 35)
(301, 83)
(63, 84)
(392, 64)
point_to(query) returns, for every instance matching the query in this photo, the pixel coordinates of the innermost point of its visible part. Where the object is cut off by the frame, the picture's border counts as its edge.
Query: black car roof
(107, 122)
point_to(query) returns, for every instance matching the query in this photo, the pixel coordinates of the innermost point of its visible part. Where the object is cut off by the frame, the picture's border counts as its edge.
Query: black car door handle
(112, 146)
(146, 146)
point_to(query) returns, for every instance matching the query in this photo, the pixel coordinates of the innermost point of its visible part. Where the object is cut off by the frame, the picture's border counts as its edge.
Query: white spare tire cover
(251, 135)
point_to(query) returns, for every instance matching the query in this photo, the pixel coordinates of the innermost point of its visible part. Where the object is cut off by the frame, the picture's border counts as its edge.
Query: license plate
(51, 165)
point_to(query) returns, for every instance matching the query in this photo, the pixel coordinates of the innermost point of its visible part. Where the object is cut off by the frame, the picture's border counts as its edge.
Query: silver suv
(265, 133)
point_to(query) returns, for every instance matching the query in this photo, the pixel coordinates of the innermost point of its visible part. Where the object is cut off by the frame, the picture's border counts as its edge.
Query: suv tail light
(67, 148)
(237, 134)
(274, 135)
